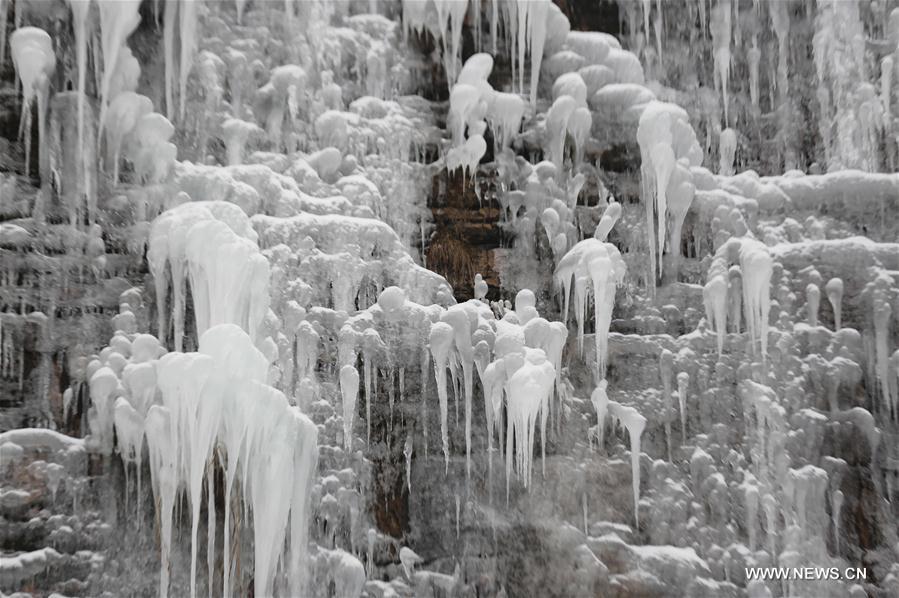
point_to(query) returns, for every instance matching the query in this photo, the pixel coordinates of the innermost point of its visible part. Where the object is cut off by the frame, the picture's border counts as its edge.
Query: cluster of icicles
(474, 103)
(668, 149)
(213, 405)
(126, 118)
(531, 27)
(517, 357)
(748, 285)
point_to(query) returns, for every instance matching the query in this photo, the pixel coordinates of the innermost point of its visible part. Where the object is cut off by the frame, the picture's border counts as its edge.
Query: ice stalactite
(714, 295)
(118, 19)
(882, 313)
(600, 399)
(735, 297)
(121, 117)
(756, 265)
(836, 509)
(4, 12)
(681, 192)
(188, 39)
(458, 318)
(228, 285)
(170, 21)
(834, 290)
(813, 300)
(666, 368)
(32, 54)
(441, 340)
(129, 427)
(164, 470)
(727, 149)
(754, 56)
(720, 28)
(683, 383)
(407, 455)
(886, 83)
(349, 389)
(634, 423)
(529, 388)
(103, 387)
(751, 499)
(665, 137)
(80, 13)
(593, 261)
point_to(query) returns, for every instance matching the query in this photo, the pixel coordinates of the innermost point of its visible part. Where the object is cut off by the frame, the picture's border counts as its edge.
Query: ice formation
(32, 53)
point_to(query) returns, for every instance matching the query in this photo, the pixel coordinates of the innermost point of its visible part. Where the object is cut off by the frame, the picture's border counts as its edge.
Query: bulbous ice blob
(480, 287)
(236, 133)
(609, 217)
(392, 299)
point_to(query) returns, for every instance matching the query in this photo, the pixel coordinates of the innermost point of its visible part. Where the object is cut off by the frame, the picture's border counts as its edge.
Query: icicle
(720, 27)
(349, 389)
(118, 19)
(170, 19)
(80, 11)
(441, 340)
(886, 83)
(210, 522)
(188, 39)
(164, 447)
(407, 453)
(683, 381)
(752, 505)
(813, 299)
(458, 514)
(715, 298)
(754, 56)
(34, 61)
(882, 313)
(600, 400)
(727, 147)
(4, 10)
(635, 424)
(666, 368)
(836, 507)
(528, 389)
(834, 290)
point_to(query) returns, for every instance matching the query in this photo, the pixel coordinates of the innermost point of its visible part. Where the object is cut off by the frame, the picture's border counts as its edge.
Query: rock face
(443, 299)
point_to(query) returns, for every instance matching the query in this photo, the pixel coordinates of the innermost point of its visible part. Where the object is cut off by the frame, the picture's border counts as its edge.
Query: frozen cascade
(286, 275)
